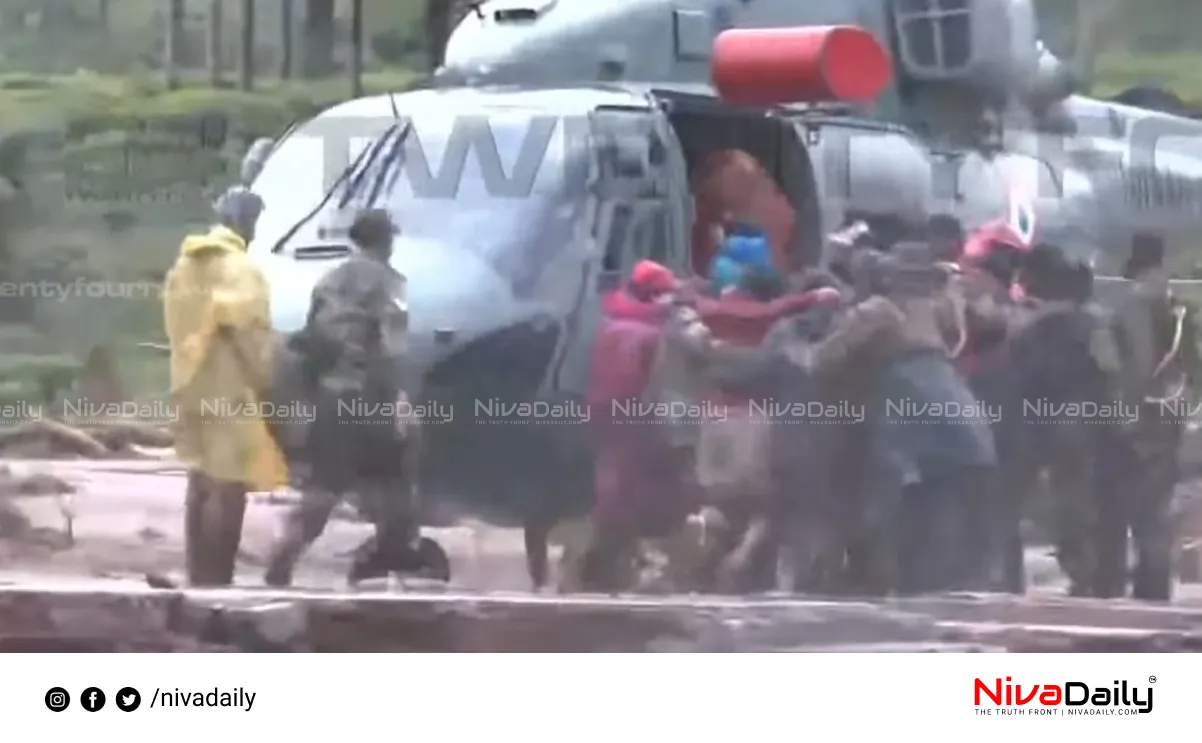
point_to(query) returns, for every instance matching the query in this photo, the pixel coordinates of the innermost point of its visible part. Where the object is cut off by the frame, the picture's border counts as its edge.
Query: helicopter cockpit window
(935, 36)
(517, 228)
(297, 175)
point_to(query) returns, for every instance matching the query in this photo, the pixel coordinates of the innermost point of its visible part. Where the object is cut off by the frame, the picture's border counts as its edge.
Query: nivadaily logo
(1067, 698)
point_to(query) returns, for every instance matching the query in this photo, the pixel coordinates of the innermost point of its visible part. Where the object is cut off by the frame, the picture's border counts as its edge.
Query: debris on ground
(52, 439)
(16, 526)
(154, 580)
(150, 534)
(32, 484)
(131, 436)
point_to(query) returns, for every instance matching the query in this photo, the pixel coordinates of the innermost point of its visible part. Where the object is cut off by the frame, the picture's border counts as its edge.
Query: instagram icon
(57, 699)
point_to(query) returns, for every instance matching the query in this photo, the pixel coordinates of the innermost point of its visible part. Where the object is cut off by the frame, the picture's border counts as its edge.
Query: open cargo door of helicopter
(746, 165)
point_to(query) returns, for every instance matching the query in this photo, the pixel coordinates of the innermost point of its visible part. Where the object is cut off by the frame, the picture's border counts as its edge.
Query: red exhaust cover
(808, 64)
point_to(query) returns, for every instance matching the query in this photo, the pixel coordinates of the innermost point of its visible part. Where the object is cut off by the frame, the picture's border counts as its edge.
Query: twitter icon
(128, 699)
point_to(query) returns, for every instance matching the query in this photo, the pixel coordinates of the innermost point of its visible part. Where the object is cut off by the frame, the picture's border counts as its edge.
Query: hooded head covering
(996, 249)
(990, 238)
(653, 279)
(238, 204)
(238, 208)
(745, 248)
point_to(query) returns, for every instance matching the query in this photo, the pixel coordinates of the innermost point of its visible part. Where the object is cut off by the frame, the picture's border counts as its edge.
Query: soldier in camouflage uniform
(922, 495)
(1159, 361)
(350, 352)
(1059, 353)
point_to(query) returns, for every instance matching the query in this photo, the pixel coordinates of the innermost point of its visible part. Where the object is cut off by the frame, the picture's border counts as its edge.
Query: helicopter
(505, 286)
(981, 96)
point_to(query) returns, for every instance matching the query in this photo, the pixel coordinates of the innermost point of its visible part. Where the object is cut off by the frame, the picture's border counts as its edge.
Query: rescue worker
(734, 457)
(925, 473)
(987, 265)
(639, 488)
(733, 466)
(947, 237)
(218, 323)
(1058, 356)
(351, 348)
(856, 558)
(814, 507)
(1159, 361)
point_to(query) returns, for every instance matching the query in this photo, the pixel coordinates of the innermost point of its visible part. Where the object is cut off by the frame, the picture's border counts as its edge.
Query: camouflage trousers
(391, 506)
(1140, 472)
(1072, 502)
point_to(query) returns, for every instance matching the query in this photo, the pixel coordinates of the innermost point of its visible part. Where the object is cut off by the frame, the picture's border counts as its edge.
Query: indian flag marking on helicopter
(1021, 217)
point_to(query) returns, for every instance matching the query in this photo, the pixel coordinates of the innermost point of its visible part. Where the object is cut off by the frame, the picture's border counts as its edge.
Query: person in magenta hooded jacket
(638, 488)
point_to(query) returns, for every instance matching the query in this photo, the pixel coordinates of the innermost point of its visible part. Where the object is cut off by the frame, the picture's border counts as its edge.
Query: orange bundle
(732, 186)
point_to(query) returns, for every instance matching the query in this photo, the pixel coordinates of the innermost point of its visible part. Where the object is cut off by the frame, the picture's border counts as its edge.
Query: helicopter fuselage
(506, 270)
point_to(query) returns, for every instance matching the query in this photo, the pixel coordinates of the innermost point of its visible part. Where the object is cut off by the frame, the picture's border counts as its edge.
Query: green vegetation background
(90, 99)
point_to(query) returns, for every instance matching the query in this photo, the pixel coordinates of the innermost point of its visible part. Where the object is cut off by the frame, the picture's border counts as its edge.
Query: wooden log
(57, 437)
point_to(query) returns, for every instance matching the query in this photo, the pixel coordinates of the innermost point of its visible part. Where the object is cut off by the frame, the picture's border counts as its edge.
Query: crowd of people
(880, 425)
(875, 425)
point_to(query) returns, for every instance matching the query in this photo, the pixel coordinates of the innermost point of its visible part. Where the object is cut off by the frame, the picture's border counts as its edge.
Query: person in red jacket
(744, 316)
(638, 489)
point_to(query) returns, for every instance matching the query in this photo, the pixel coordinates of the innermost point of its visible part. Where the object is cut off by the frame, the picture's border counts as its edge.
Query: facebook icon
(92, 699)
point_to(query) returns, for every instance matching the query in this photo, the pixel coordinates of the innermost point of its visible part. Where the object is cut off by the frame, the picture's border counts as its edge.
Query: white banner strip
(693, 698)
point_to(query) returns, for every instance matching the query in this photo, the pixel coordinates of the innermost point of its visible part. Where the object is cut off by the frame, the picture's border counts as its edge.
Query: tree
(437, 20)
(173, 42)
(356, 48)
(318, 38)
(287, 34)
(216, 21)
(246, 49)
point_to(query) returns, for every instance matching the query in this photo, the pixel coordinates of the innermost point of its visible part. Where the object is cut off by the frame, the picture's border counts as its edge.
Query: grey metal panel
(692, 34)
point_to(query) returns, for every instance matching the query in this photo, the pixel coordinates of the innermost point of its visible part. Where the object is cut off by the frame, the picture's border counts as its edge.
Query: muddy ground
(125, 520)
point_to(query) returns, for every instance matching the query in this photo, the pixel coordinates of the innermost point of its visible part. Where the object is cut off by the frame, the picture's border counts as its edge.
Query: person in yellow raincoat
(216, 311)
